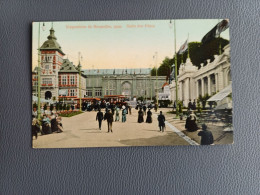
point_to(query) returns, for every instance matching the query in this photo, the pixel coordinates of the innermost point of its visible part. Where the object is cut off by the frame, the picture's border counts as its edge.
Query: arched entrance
(126, 89)
(48, 95)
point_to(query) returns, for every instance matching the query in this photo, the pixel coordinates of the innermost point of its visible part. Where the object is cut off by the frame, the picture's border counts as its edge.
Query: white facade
(209, 79)
(166, 94)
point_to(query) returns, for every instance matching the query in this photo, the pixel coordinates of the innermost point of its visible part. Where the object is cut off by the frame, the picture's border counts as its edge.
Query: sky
(122, 44)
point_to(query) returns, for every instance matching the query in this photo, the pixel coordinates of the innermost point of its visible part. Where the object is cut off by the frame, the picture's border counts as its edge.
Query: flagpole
(80, 106)
(176, 79)
(39, 76)
(188, 47)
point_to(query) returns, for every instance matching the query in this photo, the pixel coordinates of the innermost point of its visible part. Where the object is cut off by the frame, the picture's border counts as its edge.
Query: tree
(165, 67)
(153, 72)
(199, 53)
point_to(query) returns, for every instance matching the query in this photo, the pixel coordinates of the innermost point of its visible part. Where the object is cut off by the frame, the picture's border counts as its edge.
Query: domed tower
(51, 61)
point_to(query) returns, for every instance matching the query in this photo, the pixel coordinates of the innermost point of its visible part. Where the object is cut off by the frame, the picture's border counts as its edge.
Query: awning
(221, 95)
(63, 92)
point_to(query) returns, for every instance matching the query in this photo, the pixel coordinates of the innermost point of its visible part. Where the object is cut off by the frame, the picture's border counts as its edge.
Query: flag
(222, 26)
(215, 32)
(183, 48)
(210, 35)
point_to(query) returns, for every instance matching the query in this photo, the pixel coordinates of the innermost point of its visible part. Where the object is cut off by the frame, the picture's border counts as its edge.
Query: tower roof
(51, 43)
(69, 67)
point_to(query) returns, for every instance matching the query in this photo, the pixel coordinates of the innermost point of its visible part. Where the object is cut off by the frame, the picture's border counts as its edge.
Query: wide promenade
(82, 131)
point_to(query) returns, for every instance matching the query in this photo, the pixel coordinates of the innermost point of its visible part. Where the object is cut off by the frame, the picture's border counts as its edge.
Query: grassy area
(69, 113)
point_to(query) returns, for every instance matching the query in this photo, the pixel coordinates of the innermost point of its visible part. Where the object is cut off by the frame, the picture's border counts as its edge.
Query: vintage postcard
(131, 83)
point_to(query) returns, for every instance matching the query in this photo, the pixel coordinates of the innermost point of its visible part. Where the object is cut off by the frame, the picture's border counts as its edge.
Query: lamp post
(156, 55)
(79, 66)
(176, 79)
(39, 72)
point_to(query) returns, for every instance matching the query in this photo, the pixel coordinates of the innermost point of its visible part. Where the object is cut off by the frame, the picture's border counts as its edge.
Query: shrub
(69, 113)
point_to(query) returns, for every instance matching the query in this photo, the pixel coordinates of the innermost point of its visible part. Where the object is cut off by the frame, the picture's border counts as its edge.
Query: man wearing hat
(206, 136)
(99, 117)
(161, 120)
(109, 117)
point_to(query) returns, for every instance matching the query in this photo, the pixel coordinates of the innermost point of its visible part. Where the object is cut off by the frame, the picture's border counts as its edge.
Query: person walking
(123, 115)
(99, 117)
(109, 117)
(194, 105)
(206, 136)
(155, 107)
(140, 116)
(149, 116)
(35, 127)
(130, 109)
(117, 114)
(161, 121)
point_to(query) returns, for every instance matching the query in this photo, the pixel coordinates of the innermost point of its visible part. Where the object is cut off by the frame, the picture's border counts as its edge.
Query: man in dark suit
(206, 136)
(99, 118)
(161, 120)
(109, 117)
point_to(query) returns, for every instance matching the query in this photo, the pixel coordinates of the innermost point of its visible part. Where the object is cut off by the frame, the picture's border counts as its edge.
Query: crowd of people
(112, 110)
(48, 124)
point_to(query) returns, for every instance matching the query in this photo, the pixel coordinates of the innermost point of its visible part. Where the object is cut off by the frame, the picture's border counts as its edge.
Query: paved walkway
(82, 131)
(220, 137)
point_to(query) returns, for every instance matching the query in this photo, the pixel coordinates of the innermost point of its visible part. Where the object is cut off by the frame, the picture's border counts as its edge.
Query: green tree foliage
(199, 53)
(165, 67)
(153, 72)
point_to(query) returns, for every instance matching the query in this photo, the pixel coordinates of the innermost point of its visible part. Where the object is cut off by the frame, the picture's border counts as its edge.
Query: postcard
(131, 83)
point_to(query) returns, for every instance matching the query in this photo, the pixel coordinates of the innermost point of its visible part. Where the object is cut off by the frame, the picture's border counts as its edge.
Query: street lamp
(79, 67)
(39, 72)
(176, 79)
(156, 55)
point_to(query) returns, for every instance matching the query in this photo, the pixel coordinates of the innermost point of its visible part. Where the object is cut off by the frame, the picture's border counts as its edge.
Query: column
(133, 90)
(197, 89)
(180, 91)
(103, 86)
(209, 89)
(202, 86)
(187, 91)
(216, 81)
(220, 80)
(118, 87)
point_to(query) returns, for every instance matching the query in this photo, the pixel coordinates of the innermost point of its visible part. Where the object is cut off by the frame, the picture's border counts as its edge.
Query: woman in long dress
(54, 125)
(191, 123)
(117, 114)
(149, 116)
(140, 116)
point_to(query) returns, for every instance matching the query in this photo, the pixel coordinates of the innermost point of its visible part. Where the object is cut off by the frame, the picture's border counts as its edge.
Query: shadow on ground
(163, 139)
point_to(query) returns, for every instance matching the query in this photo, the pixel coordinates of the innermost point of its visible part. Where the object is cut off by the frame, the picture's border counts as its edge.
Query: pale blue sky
(124, 47)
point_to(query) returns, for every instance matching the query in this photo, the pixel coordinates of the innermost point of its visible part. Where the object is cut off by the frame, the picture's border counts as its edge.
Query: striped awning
(221, 95)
